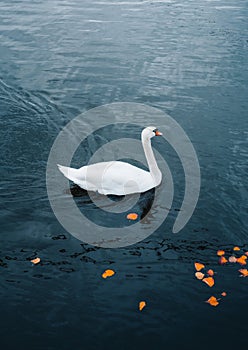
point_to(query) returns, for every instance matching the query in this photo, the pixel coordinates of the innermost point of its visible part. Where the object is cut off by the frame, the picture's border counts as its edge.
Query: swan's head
(149, 132)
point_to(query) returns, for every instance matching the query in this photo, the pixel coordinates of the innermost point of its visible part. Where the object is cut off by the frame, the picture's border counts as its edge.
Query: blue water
(61, 58)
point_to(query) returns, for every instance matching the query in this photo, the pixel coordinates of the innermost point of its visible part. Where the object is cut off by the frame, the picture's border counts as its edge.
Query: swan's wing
(77, 177)
(118, 178)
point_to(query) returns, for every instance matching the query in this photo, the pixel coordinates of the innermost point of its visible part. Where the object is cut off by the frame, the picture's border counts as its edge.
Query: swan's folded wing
(122, 178)
(77, 176)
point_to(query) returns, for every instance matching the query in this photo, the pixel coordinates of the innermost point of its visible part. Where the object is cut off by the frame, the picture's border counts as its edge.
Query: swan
(116, 177)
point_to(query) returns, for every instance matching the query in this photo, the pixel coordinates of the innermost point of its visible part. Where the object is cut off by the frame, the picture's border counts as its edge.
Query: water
(60, 58)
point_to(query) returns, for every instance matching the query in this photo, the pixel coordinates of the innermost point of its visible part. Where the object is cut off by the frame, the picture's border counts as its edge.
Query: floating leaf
(210, 272)
(132, 216)
(212, 301)
(108, 273)
(199, 275)
(246, 253)
(209, 281)
(35, 261)
(244, 272)
(236, 249)
(242, 260)
(222, 260)
(232, 259)
(142, 304)
(220, 252)
(199, 266)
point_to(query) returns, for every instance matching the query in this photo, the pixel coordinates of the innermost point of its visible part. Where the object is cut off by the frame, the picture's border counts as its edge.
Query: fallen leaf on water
(210, 272)
(132, 216)
(108, 273)
(246, 253)
(212, 301)
(244, 272)
(223, 294)
(209, 281)
(199, 275)
(35, 261)
(232, 259)
(220, 252)
(236, 249)
(142, 304)
(242, 260)
(199, 266)
(222, 260)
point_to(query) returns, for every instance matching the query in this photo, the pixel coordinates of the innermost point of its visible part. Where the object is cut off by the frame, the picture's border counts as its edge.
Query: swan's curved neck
(151, 161)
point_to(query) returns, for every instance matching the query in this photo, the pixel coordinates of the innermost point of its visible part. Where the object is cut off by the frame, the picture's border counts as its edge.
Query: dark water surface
(60, 58)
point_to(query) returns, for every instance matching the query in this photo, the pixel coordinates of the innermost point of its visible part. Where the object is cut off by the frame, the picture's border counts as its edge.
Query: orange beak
(158, 133)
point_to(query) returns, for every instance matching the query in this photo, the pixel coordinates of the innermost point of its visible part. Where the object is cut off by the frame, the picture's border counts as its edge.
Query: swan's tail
(68, 172)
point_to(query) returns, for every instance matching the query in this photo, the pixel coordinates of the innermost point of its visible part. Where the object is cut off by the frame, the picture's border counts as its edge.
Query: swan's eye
(155, 130)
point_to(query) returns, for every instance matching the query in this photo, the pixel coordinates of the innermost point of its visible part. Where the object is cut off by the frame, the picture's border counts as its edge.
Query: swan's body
(116, 177)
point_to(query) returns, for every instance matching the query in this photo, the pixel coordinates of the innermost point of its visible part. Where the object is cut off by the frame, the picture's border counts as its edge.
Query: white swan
(116, 177)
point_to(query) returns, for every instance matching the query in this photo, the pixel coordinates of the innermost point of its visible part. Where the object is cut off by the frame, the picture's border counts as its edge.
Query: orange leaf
(209, 281)
(222, 260)
(232, 259)
(223, 294)
(236, 249)
(220, 252)
(212, 301)
(132, 216)
(142, 304)
(210, 272)
(108, 273)
(35, 261)
(242, 260)
(199, 275)
(199, 266)
(244, 272)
